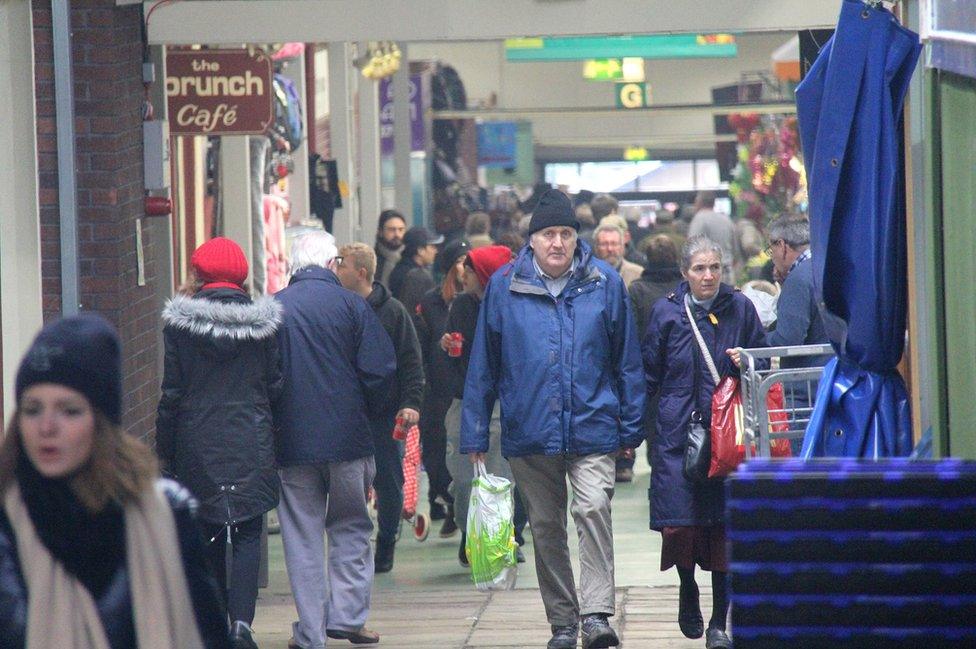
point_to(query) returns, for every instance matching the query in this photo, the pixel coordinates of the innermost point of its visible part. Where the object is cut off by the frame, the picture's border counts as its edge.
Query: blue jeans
(388, 482)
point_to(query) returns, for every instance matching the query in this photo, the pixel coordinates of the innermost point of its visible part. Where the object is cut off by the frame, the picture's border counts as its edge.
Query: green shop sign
(578, 48)
(632, 95)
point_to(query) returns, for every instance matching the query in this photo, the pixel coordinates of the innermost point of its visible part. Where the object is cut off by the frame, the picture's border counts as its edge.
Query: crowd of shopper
(548, 342)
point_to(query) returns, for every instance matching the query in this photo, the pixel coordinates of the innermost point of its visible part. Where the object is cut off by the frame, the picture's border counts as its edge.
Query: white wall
(20, 259)
(560, 84)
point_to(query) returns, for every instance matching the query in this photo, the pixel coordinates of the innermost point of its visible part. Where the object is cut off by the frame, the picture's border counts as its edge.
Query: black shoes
(240, 636)
(596, 632)
(448, 528)
(519, 555)
(717, 639)
(383, 560)
(462, 554)
(563, 637)
(689, 613)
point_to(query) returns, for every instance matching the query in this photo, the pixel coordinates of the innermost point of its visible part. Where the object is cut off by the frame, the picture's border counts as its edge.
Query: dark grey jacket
(409, 390)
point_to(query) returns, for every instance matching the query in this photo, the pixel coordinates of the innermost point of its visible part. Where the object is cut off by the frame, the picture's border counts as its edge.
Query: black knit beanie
(83, 353)
(553, 208)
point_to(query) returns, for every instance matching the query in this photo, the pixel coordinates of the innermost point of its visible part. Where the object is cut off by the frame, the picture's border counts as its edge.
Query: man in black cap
(411, 277)
(557, 345)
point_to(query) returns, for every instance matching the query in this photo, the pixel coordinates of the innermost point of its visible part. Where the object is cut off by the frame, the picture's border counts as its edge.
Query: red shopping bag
(728, 426)
(778, 421)
(411, 469)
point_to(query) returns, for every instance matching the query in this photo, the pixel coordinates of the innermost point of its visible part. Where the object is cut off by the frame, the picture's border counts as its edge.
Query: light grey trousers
(462, 471)
(318, 500)
(542, 483)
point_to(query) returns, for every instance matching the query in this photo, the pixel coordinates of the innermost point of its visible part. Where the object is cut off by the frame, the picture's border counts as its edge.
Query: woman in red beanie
(221, 378)
(479, 266)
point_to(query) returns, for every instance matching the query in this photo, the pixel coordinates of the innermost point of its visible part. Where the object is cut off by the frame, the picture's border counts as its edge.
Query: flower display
(769, 178)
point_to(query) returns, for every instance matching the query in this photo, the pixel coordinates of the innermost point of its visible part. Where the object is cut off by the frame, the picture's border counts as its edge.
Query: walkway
(429, 601)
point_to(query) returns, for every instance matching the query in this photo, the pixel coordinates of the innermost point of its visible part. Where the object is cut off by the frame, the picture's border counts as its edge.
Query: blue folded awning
(849, 108)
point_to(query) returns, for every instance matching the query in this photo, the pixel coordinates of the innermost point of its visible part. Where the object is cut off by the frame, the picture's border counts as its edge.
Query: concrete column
(298, 180)
(341, 88)
(20, 239)
(235, 179)
(403, 192)
(370, 190)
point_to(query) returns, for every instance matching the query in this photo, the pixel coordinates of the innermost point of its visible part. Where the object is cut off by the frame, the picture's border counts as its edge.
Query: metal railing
(799, 385)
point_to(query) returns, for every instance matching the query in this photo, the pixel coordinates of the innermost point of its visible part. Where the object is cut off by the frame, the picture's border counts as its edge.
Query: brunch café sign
(218, 92)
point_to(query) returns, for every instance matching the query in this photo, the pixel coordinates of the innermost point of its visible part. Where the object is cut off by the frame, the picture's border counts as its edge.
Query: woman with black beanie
(95, 549)
(221, 379)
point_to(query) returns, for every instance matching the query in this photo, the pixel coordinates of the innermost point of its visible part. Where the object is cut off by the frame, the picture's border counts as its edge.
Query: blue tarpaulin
(849, 108)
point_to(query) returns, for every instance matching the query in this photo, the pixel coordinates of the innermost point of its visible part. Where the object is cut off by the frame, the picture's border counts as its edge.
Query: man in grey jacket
(719, 228)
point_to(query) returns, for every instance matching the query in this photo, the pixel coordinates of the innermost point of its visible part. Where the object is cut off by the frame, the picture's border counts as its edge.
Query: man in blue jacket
(798, 320)
(556, 345)
(337, 364)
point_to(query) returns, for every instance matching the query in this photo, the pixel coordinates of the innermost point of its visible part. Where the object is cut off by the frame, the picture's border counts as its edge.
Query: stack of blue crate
(845, 553)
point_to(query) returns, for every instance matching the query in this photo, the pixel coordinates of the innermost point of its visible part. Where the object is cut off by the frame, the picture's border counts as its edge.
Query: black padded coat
(221, 378)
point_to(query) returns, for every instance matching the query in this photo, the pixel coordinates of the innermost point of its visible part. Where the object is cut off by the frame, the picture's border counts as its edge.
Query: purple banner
(418, 141)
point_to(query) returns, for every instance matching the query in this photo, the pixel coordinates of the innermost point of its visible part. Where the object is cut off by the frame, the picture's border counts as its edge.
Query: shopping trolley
(799, 391)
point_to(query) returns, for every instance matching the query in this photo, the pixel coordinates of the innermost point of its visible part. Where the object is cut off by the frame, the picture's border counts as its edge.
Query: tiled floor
(429, 601)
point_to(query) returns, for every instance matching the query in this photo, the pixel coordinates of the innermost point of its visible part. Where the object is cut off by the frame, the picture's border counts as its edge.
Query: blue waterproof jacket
(669, 348)
(566, 369)
(338, 364)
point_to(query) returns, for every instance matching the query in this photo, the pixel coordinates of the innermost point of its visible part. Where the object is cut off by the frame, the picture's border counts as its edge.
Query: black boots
(383, 560)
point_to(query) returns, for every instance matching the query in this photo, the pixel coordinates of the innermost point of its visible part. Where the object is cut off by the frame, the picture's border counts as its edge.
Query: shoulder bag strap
(701, 341)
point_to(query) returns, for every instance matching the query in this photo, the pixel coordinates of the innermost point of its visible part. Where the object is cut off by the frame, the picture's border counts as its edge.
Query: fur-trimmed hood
(235, 320)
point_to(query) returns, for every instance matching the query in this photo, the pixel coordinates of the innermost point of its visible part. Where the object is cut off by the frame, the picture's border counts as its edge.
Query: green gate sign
(632, 95)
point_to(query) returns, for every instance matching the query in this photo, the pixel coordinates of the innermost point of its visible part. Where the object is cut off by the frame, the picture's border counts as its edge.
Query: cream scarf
(60, 610)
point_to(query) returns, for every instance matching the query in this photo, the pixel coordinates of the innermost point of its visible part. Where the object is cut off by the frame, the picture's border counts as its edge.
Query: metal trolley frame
(799, 390)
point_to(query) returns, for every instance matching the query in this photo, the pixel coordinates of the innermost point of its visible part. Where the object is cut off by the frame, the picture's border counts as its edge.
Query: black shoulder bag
(698, 445)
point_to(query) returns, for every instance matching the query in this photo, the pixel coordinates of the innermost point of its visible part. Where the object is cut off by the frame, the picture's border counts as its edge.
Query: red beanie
(220, 263)
(486, 260)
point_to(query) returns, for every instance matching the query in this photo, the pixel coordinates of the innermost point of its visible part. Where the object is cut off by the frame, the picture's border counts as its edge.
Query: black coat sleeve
(274, 378)
(13, 592)
(208, 603)
(169, 402)
(463, 318)
(410, 361)
(418, 281)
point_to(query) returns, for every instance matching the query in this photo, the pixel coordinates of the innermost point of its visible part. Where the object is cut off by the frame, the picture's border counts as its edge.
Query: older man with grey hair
(556, 345)
(609, 245)
(337, 364)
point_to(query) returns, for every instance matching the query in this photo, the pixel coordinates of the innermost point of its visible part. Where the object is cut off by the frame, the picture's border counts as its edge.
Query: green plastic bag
(490, 544)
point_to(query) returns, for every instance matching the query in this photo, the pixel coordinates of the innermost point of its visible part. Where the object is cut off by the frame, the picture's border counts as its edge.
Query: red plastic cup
(400, 429)
(456, 344)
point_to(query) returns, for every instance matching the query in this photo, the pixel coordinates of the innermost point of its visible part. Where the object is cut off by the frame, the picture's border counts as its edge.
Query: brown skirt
(686, 546)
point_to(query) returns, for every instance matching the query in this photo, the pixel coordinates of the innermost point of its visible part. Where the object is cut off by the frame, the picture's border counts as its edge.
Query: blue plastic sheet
(849, 108)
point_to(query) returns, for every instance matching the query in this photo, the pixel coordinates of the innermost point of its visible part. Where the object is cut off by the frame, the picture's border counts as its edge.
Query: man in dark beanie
(557, 326)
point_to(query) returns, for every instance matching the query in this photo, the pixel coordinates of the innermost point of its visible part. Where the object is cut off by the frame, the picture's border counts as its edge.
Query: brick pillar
(107, 59)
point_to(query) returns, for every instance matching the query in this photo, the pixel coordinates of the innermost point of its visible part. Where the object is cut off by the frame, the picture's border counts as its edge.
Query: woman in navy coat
(690, 515)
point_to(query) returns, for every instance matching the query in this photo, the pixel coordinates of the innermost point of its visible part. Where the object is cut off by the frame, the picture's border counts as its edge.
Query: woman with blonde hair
(96, 552)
